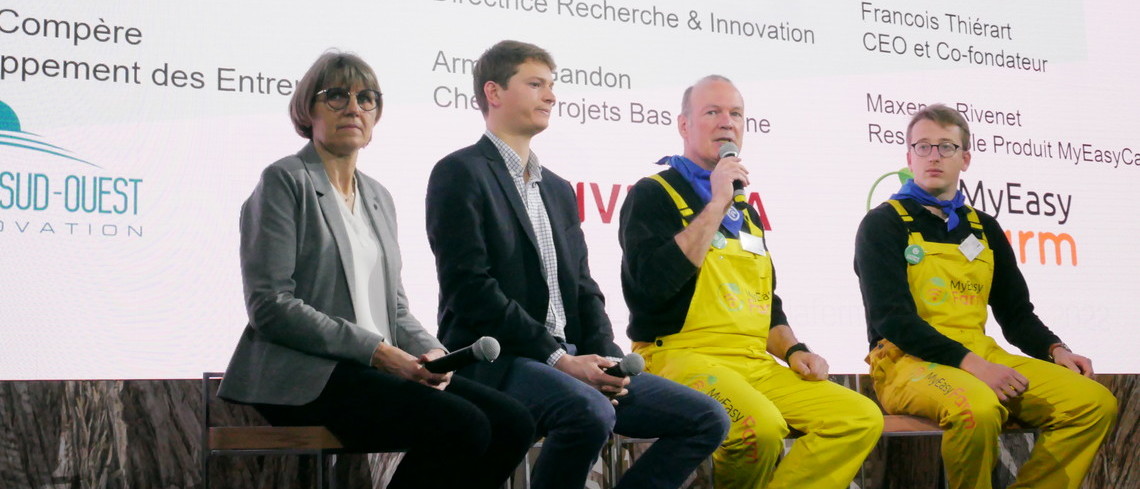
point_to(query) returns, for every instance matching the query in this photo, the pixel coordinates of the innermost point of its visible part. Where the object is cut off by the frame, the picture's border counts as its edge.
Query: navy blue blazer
(490, 271)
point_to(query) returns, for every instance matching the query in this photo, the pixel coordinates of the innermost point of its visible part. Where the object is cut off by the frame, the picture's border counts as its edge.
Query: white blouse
(366, 280)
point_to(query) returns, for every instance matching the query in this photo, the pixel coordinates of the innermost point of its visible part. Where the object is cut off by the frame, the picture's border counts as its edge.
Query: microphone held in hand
(629, 366)
(738, 199)
(485, 349)
(729, 149)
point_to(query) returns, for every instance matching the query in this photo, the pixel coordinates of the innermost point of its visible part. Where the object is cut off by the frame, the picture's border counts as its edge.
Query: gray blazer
(295, 261)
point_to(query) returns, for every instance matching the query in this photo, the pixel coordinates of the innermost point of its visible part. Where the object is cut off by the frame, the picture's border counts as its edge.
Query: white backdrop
(128, 143)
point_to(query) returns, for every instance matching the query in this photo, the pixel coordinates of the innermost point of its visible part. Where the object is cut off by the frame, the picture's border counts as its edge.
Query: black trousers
(468, 435)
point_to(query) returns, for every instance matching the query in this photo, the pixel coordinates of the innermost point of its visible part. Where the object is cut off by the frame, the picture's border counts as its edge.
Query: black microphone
(485, 349)
(738, 200)
(629, 366)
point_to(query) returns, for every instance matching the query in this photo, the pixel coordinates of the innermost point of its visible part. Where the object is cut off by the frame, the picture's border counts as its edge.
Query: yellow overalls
(720, 351)
(951, 293)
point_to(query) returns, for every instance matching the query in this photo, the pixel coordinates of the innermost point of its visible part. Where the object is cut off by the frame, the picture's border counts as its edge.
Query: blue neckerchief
(911, 190)
(698, 178)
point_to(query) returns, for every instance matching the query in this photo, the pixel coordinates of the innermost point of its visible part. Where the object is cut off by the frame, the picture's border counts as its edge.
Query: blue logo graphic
(12, 134)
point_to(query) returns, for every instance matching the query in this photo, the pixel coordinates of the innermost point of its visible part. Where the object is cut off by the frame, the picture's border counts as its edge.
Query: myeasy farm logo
(47, 190)
(904, 174)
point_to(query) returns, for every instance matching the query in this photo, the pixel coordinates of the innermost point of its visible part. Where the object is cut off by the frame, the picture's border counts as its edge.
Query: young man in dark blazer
(512, 264)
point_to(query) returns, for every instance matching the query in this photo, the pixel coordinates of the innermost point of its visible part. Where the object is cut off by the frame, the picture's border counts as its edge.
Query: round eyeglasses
(337, 98)
(945, 149)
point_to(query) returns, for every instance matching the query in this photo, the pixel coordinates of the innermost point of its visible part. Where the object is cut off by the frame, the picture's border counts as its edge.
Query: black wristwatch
(792, 349)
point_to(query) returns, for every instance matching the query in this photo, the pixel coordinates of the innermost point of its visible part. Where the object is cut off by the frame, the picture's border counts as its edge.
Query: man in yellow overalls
(699, 283)
(928, 266)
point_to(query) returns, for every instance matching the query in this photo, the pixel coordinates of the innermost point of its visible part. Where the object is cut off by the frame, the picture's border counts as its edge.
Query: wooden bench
(894, 425)
(903, 425)
(272, 438)
(267, 440)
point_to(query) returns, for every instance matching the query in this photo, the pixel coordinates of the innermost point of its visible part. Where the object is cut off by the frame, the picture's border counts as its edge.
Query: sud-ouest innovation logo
(73, 198)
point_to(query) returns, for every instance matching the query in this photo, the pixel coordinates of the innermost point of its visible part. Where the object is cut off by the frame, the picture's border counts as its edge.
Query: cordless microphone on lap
(485, 349)
(629, 366)
(738, 199)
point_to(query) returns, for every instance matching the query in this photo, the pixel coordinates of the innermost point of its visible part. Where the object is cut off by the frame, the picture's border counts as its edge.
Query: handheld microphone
(629, 366)
(738, 200)
(729, 149)
(485, 349)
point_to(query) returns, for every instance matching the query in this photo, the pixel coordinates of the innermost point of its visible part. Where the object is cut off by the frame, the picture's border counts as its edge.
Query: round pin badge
(718, 241)
(914, 254)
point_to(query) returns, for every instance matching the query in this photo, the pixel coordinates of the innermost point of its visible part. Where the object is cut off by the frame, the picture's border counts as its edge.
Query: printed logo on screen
(44, 193)
(12, 134)
(904, 174)
(1038, 244)
(606, 196)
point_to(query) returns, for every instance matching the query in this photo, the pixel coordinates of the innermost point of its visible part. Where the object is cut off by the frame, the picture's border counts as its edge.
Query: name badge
(971, 247)
(752, 244)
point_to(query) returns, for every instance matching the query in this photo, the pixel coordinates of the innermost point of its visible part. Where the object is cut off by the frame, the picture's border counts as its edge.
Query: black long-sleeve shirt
(889, 306)
(658, 280)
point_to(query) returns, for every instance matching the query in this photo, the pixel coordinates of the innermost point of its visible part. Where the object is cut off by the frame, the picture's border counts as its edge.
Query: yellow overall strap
(976, 225)
(971, 216)
(687, 212)
(682, 206)
(907, 219)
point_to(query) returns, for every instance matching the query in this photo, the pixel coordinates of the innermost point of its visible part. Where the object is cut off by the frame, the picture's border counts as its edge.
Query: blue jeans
(577, 419)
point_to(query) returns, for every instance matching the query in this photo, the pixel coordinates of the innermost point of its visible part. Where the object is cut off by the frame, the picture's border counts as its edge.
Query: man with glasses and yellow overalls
(928, 266)
(699, 283)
